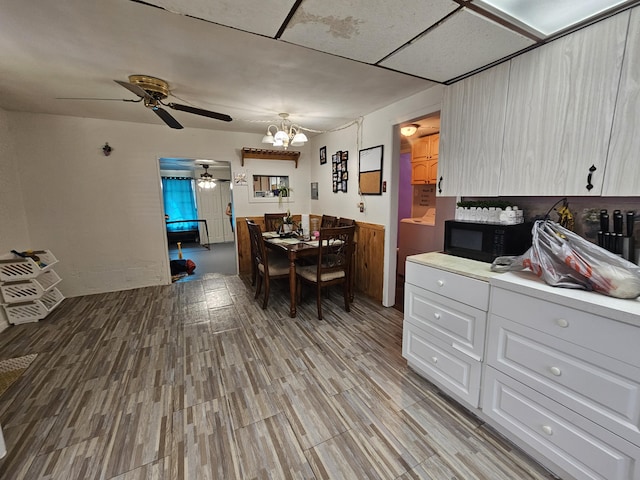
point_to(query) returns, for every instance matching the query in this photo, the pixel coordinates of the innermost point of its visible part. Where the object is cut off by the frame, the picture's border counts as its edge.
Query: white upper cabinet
(623, 166)
(471, 132)
(560, 111)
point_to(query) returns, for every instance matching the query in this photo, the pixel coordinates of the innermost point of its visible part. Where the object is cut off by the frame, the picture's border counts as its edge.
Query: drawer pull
(547, 429)
(556, 371)
(440, 283)
(562, 323)
(434, 359)
(436, 316)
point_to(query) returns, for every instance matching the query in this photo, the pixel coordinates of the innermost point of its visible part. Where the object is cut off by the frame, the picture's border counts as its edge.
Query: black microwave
(486, 241)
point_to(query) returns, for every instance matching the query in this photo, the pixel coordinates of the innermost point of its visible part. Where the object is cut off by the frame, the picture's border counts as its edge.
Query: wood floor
(195, 381)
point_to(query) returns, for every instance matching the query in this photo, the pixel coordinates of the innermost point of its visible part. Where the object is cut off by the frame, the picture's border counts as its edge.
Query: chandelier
(206, 180)
(284, 135)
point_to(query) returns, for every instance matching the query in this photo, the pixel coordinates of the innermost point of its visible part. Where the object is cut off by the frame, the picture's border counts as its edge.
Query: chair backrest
(258, 250)
(336, 252)
(328, 221)
(272, 221)
(345, 222)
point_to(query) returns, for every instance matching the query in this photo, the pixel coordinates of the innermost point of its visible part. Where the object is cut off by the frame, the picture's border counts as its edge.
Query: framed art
(370, 170)
(323, 155)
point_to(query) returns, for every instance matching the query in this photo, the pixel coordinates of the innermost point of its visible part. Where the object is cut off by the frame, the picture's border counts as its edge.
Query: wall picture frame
(323, 155)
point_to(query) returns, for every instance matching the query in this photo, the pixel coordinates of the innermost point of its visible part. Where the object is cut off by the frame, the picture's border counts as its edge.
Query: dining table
(296, 248)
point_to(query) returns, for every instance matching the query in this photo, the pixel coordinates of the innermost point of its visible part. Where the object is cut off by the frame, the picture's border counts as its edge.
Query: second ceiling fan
(152, 91)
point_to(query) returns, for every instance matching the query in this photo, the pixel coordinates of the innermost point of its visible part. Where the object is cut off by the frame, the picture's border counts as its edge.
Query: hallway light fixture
(286, 134)
(409, 130)
(206, 180)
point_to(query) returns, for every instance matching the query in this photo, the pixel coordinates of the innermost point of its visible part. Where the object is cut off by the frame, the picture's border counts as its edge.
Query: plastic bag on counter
(563, 259)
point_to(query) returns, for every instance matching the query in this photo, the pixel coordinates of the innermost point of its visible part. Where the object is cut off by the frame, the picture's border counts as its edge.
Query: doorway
(414, 200)
(208, 240)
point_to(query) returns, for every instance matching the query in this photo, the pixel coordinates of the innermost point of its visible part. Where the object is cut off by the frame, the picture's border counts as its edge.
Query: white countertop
(525, 282)
(451, 263)
(624, 310)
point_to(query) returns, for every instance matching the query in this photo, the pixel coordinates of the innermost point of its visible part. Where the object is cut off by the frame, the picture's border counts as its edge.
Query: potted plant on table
(288, 224)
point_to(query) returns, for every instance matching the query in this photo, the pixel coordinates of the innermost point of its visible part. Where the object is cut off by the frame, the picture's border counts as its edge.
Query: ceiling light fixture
(409, 130)
(206, 180)
(549, 17)
(286, 134)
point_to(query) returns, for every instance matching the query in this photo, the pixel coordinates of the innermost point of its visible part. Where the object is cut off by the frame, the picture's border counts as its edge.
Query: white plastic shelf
(29, 290)
(28, 312)
(16, 269)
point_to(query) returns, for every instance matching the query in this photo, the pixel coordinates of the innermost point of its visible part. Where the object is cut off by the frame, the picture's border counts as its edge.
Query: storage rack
(28, 289)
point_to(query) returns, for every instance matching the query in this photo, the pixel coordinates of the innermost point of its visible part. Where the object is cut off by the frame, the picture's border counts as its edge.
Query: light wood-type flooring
(195, 381)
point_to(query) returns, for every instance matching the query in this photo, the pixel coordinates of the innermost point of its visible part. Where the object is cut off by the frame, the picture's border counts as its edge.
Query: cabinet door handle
(440, 185)
(556, 371)
(440, 283)
(562, 323)
(547, 429)
(591, 170)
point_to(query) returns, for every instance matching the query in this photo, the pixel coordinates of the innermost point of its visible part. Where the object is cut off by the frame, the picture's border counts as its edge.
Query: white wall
(102, 216)
(13, 220)
(378, 128)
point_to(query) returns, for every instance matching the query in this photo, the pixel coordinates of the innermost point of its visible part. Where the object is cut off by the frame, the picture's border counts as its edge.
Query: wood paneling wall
(369, 265)
(369, 271)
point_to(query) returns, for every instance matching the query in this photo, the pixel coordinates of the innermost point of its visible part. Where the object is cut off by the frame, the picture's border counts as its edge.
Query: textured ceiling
(325, 62)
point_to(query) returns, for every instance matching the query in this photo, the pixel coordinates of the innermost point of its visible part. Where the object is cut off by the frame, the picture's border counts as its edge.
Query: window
(179, 203)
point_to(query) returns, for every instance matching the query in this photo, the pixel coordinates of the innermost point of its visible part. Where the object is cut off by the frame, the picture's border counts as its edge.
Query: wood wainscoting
(369, 264)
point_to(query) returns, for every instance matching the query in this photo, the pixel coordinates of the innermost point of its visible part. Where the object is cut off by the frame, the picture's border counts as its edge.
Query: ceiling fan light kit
(206, 180)
(285, 135)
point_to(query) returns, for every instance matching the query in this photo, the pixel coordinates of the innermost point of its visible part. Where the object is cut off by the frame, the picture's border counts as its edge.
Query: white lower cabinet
(444, 329)
(600, 387)
(556, 371)
(562, 376)
(577, 445)
(455, 372)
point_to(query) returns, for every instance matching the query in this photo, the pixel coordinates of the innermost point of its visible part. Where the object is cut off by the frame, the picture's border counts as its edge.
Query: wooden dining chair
(266, 269)
(328, 221)
(345, 222)
(334, 264)
(272, 221)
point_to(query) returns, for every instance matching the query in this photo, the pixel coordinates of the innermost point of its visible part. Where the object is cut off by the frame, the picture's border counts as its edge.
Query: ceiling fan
(152, 91)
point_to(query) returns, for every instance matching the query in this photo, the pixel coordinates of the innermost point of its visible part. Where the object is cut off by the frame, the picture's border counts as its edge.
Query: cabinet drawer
(453, 371)
(615, 339)
(599, 387)
(458, 325)
(467, 290)
(582, 448)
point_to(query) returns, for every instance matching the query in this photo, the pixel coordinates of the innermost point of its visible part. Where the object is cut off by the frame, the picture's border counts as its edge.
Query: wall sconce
(106, 149)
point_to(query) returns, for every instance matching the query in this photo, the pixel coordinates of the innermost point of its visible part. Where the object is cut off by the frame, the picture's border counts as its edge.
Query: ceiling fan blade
(92, 98)
(200, 111)
(167, 118)
(133, 88)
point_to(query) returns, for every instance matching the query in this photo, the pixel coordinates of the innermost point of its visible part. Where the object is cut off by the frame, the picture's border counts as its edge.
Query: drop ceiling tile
(464, 42)
(256, 16)
(363, 30)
